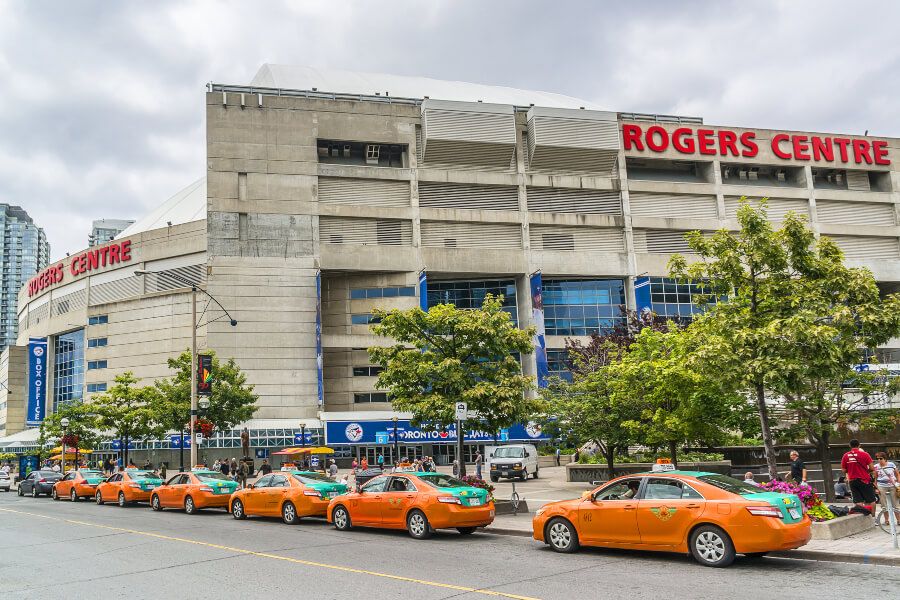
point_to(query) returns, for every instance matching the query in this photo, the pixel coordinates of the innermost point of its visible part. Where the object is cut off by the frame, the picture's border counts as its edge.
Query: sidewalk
(872, 547)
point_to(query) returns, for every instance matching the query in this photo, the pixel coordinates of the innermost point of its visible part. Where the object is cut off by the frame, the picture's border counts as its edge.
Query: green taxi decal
(663, 513)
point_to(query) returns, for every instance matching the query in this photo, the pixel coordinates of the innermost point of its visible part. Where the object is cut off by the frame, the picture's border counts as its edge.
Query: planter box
(504, 507)
(550, 461)
(840, 527)
(587, 473)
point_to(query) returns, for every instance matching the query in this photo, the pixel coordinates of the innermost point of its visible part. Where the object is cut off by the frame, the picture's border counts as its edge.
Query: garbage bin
(364, 476)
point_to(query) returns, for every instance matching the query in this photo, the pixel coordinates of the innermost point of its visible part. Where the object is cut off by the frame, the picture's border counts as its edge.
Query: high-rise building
(25, 251)
(105, 230)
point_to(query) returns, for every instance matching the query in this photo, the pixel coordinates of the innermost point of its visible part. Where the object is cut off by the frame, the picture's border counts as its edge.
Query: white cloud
(102, 110)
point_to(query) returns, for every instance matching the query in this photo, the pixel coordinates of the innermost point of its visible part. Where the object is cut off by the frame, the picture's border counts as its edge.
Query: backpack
(839, 511)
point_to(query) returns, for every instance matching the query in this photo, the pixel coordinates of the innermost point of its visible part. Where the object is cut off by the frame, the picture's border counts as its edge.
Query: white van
(512, 460)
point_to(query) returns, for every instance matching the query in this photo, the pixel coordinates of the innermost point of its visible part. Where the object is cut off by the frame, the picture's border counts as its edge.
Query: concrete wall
(14, 391)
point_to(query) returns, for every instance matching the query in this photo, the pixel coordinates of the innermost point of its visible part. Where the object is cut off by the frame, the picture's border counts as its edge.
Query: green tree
(82, 423)
(449, 355)
(127, 411)
(231, 402)
(675, 402)
(794, 316)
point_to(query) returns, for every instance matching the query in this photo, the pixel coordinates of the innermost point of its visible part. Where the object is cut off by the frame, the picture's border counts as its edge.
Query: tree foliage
(231, 402)
(82, 422)
(127, 411)
(449, 355)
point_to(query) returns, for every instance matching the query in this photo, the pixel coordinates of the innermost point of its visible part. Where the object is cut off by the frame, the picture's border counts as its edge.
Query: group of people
(864, 480)
(236, 470)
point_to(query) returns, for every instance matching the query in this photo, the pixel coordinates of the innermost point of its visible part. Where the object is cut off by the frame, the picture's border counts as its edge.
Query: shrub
(479, 483)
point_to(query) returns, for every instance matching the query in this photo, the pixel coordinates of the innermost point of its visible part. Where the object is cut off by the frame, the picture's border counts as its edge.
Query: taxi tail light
(206, 489)
(311, 493)
(765, 511)
(449, 499)
(135, 485)
(44, 480)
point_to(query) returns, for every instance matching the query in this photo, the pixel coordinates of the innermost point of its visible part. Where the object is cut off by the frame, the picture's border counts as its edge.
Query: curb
(799, 554)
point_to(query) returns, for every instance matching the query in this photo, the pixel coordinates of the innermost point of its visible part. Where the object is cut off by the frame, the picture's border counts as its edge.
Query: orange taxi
(193, 491)
(77, 484)
(132, 485)
(288, 495)
(711, 516)
(417, 502)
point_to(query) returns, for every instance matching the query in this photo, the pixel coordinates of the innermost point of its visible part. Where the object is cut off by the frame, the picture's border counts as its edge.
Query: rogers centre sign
(89, 260)
(725, 142)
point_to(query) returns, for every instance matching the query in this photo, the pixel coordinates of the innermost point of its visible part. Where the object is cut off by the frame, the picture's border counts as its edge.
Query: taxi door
(275, 494)
(64, 487)
(610, 516)
(255, 499)
(110, 489)
(175, 491)
(367, 509)
(666, 511)
(399, 496)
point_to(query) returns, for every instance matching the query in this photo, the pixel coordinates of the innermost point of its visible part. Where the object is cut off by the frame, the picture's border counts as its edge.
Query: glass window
(96, 364)
(621, 490)
(97, 342)
(663, 489)
(364, 319)
(211, 476)
(439, 480)
(558, 363)
(470, 294)
(729, 484)
(367, 371)
(265, 481)
(675, 299)
(370, 397)
(401, 484)
(279, 481)
(68, 368)
(98, 320)
(96, 387)
(582, 306)
(376, 485)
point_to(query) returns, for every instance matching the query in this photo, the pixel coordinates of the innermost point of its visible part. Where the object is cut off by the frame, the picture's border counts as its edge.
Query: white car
(5, 481)
(513, 460)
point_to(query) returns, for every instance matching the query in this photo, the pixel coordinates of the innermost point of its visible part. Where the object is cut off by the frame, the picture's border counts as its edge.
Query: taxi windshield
(87, 473)
(212, 475)
(141, 475)
(439, 480)
(730, 484)
(509, 452)
(306, 477)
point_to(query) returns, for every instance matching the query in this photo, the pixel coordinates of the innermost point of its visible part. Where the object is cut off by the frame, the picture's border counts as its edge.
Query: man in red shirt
(857, 466)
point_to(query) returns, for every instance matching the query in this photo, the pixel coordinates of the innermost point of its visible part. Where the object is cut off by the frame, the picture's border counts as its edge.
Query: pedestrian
(380, 461)
(233, 469)
(887, 479)
(841, 489)
(798, 469)
(148, 466)
(478, 462)
(558, 453)
(243, 473)
(162, 471)
(354, 466)
(456, 468)
(364, 464)
(857, 466)
(576, 456)
(748, 478)
(265, 468)
(224, 468)
(333, 469)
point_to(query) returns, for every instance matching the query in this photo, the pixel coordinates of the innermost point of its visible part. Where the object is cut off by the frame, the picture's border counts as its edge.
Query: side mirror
(250, 486)
(491, 455)
(587, 496)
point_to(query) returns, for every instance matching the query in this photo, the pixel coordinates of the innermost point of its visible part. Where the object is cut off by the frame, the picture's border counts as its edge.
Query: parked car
(5, 481)
(288, 495)
(134, 485)
(38, 482)
(193, 491)
(514, 460)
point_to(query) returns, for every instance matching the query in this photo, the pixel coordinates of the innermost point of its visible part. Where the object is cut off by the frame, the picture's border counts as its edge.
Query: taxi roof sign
(662, 466)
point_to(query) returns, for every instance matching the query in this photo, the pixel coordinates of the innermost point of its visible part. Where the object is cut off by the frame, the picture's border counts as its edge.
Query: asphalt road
(64, 550)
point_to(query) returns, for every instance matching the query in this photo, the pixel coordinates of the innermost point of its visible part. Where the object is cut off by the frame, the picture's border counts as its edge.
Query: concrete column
(720, 195)
(630, 301)
(811, 192)
(523, 311)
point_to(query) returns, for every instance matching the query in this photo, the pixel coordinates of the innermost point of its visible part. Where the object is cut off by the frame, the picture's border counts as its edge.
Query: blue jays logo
(354, 432)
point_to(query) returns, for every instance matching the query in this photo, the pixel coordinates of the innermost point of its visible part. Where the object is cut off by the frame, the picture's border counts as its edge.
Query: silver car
(5, 481)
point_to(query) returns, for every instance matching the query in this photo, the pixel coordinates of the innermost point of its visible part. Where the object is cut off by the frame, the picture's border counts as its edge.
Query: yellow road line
(298, 561)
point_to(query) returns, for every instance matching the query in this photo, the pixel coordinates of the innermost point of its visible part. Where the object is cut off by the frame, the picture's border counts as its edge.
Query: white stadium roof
(184, 207)
(290, 77)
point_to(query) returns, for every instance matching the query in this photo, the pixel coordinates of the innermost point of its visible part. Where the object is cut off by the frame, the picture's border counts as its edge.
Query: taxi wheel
(189, 506)
(341, 519)
(98, 497)
(561, 536)
(466, 530)
(417, 525)
(711, 547)
(154, 503)
(122, 501)
(289, 513)
(73, 496)
(237, 510)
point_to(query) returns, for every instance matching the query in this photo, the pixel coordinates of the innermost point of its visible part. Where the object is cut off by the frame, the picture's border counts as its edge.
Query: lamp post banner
(319, 356)
(37, 380)
(642, 294)
(540, 343)
(366, 433)
(423, 291)
(204, 374)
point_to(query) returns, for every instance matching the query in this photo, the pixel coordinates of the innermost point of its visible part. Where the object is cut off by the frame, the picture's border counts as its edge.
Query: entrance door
(666, 511)
(611, 516)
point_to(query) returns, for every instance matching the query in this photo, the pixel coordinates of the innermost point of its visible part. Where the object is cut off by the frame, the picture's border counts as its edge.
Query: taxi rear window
(442, 481)
(142, 475)
(730, 484)
(211, 476)
(312, 478)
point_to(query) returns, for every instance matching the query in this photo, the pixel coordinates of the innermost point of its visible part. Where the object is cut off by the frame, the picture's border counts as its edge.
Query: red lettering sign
(726, 142)
(89, 260)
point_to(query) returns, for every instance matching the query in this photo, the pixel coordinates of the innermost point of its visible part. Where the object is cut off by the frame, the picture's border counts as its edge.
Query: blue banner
(175, 440)
(299, 438)
(37, 381)
(319, 355)
(642, 295)
(372, 433)
(423, 290)
(540, 343)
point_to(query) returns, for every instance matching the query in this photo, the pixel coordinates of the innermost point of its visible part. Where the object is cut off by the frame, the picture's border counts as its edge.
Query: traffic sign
(199, 438)
(382, 437)
(462, 411)
(504, 435)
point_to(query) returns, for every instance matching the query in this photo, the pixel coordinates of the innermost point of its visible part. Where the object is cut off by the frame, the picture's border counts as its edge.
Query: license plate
(224, 490)
(795, 514)
(332, 494)
(474, 501)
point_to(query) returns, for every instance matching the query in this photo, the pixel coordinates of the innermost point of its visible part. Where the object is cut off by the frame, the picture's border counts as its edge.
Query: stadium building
(329, 194)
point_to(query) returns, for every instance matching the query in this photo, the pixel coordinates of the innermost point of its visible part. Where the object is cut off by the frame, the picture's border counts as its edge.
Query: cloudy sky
(101, 103)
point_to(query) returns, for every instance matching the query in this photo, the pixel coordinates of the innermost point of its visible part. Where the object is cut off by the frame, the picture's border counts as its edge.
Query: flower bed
(479, 483)
(815, 508)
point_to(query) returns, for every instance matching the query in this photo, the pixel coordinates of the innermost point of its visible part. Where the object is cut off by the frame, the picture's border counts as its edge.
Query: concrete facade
(14, 389)
(298, 183)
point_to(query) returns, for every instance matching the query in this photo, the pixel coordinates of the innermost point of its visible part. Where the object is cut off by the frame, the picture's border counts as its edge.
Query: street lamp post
(396, 442)
(194, 327)
(65, 425)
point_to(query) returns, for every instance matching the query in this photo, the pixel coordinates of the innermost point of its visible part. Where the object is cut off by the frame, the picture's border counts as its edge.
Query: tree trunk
(825, 457)
(768, 444)
(673, 452)
(610, 452)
